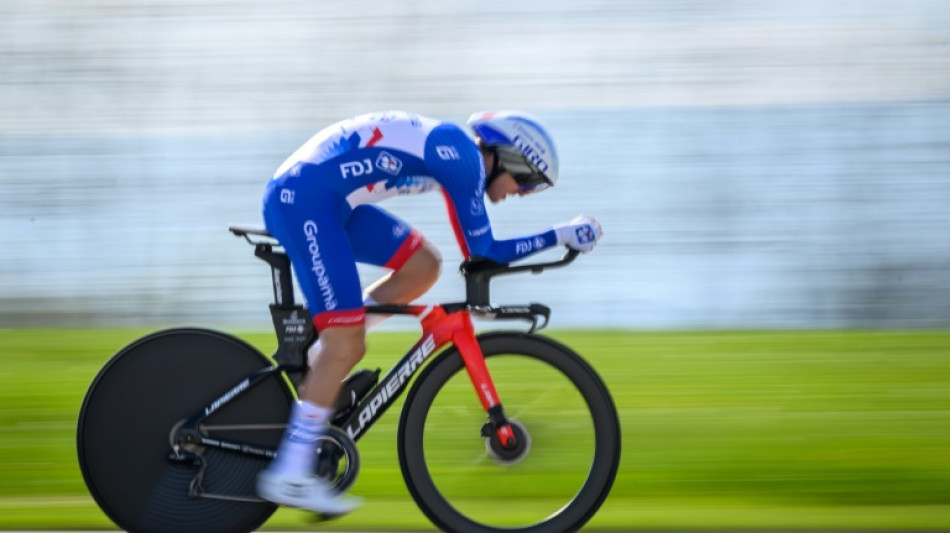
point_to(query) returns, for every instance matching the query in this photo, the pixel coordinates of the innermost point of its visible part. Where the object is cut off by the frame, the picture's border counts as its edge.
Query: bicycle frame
(441, 325)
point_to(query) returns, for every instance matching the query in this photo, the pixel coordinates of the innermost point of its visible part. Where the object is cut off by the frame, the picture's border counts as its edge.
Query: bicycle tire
(532, 351)
(128, 415)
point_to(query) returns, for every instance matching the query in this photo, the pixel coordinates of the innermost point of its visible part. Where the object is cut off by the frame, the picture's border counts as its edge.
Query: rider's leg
(289, 479)
(314, 237)
(412, 280)
(416, 276)
(380, 238)
(342, 348)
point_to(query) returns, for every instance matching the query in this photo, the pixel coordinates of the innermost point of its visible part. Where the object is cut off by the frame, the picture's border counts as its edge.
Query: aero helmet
(521, 147)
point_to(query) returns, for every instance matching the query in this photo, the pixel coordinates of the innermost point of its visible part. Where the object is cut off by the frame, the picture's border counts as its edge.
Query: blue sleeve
(454, 161)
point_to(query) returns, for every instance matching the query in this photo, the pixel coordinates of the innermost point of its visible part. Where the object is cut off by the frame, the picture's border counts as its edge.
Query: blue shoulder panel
(455, 162)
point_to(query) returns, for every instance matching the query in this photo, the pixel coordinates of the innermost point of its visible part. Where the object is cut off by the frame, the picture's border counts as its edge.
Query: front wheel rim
(542, 499)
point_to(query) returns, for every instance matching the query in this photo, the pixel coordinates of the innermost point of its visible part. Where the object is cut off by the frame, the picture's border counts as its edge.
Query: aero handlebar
(478, 273)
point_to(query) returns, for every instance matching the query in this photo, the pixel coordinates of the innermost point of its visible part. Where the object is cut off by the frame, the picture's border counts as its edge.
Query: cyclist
(319, 206)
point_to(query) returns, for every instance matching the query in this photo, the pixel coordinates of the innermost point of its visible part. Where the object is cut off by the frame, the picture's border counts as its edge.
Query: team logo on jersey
(287, 196)
(535, 244)
(447, 153)
(480, 231)
(356, 168)
(478, 207)
(585, 234)
(389, 163)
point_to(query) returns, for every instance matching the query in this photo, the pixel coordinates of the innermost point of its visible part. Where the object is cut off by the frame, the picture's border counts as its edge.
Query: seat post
(280, 273)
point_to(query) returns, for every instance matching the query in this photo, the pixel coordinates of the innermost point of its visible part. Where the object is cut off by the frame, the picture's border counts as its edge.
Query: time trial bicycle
(175, 428)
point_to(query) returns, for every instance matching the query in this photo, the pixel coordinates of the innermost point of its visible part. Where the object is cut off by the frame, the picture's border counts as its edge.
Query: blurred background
(755, 164)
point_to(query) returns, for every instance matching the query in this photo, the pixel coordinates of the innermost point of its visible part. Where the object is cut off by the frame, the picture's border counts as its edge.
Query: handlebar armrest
(479, 271)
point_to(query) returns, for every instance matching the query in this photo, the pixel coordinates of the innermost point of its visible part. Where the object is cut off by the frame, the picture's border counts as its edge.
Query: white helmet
(521, 146)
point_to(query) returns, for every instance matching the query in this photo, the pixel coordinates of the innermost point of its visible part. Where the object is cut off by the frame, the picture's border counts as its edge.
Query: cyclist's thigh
(315, 239)
(380, 238)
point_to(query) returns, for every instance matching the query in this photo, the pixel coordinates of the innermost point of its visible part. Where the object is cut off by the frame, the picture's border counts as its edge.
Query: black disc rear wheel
(552, 480)
(131, 409)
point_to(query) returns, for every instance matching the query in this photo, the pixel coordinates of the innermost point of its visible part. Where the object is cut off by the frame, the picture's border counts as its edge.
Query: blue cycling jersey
(318, 203)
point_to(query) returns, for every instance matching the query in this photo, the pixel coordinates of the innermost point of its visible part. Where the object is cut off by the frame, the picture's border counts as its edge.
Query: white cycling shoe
(304, 491)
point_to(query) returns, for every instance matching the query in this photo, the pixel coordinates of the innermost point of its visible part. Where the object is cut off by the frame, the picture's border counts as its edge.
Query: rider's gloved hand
(581, 233)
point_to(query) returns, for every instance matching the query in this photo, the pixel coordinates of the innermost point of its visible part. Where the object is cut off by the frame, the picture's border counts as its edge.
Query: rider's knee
(347, 344)
(425, 265)
(357, 348)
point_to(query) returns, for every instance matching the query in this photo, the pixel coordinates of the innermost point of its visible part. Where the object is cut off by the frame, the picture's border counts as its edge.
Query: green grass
(803, 430)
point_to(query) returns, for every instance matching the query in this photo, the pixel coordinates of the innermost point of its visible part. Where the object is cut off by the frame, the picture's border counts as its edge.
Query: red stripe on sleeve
(456, 225)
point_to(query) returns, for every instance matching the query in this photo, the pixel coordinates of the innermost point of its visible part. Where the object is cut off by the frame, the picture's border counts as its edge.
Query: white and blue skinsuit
(319, 204)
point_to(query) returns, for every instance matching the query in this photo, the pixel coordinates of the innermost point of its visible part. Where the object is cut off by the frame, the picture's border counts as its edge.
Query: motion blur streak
(754, 164)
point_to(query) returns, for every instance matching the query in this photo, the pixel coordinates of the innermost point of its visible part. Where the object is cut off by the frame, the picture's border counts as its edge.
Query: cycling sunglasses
(528, 177)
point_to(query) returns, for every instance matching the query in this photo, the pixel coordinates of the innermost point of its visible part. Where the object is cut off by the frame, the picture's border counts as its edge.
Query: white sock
(372, 320)
(295, 455)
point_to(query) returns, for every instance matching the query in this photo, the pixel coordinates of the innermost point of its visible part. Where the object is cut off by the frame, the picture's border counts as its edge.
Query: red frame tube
(456, 327)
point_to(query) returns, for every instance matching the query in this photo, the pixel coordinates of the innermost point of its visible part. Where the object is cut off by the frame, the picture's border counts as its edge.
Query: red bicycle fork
(456, 327)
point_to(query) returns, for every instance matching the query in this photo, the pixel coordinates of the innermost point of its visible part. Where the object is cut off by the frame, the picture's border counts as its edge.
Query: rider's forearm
(508, 250)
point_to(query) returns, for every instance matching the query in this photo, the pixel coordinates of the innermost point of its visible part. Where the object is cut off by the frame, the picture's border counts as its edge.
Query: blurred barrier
(754, 164)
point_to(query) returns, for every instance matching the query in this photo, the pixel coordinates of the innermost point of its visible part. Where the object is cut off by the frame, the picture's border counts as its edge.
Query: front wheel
(567, 428)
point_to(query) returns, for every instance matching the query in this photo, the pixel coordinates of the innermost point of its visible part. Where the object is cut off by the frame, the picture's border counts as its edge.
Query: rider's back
(395, 130)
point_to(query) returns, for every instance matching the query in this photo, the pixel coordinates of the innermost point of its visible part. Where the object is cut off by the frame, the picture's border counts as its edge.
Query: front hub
(507, 453)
